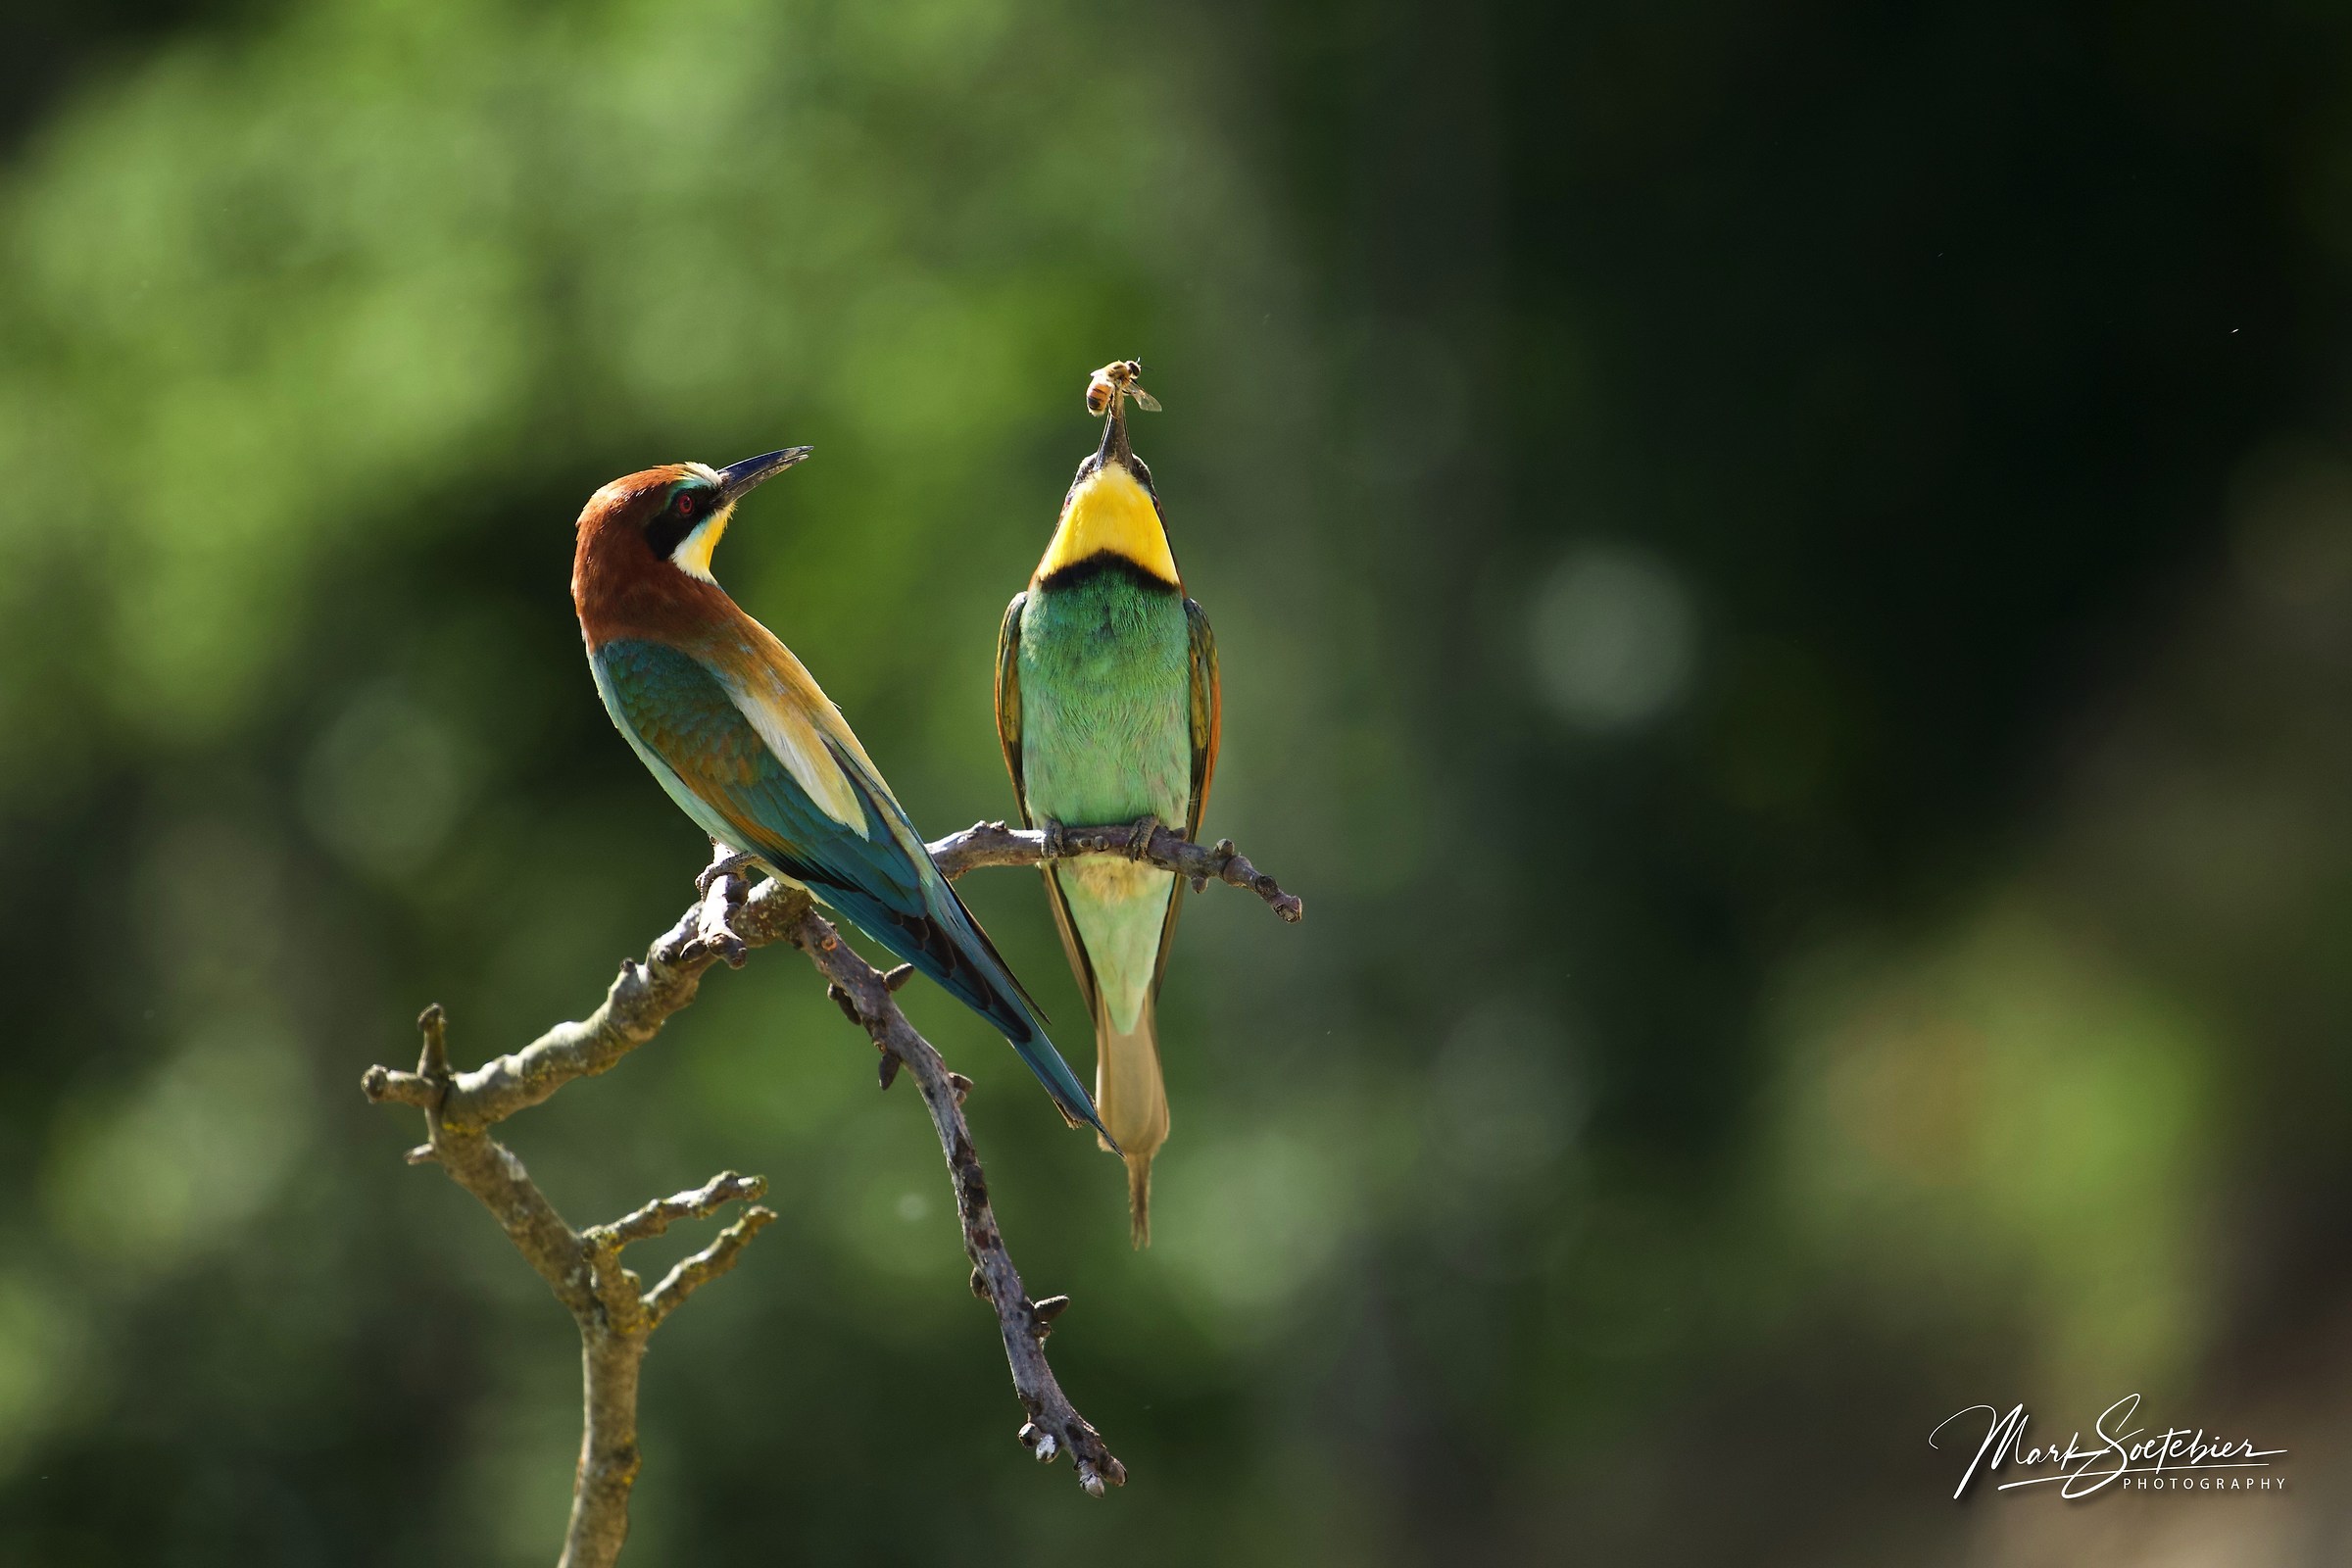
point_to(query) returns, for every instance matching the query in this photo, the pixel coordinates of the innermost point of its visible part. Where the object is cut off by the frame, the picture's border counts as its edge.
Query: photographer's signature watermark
(2123, 1455)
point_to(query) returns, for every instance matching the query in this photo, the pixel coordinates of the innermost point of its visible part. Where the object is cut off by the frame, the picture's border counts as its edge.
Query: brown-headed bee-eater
(1107, 705)
(738, 735)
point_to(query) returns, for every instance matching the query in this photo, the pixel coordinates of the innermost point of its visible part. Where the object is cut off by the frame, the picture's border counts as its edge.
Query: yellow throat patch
(1110, 511)
(692, 553)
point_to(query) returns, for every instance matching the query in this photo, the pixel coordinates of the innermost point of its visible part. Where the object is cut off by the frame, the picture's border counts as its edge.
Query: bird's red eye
(684, 505)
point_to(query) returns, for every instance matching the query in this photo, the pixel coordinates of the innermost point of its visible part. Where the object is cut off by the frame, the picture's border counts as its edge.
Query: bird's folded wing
(712, 744)
(696, 724)
(1207, 713)
(1009, 699)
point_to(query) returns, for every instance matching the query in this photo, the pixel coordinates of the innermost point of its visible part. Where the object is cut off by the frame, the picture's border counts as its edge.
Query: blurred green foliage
(1780, 577)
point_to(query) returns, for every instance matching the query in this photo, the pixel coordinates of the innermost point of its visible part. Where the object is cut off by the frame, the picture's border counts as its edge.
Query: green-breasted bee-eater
(1107, 705)
(738, 735)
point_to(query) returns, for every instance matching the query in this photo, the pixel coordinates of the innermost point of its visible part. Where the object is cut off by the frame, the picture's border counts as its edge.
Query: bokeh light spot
(1614, 638)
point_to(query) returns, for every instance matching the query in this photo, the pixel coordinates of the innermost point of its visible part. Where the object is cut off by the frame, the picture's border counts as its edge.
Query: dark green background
(1785, 580)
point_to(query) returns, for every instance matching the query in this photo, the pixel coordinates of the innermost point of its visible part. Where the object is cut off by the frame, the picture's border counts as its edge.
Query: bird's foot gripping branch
(995, 844)
(614, 1312)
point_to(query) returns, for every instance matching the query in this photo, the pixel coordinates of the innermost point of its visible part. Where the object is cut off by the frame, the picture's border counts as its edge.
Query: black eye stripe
(667, 527)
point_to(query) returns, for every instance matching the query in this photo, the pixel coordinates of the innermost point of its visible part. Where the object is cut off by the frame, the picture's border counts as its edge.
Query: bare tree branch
(639, 1001)
(691, 1274)
(661, 1213)
(613, 1316)
(995, 844)
(616, 1316)
(1054, 1426)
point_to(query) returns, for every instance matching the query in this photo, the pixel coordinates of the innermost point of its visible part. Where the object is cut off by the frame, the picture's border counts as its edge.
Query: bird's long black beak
(736, 478)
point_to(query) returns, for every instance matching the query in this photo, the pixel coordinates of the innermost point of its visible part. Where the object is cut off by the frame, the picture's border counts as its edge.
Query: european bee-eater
(1107, 705)
(735, 729)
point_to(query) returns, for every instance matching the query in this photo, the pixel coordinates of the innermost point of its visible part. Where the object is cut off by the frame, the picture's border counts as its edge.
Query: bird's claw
(1138, 839)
